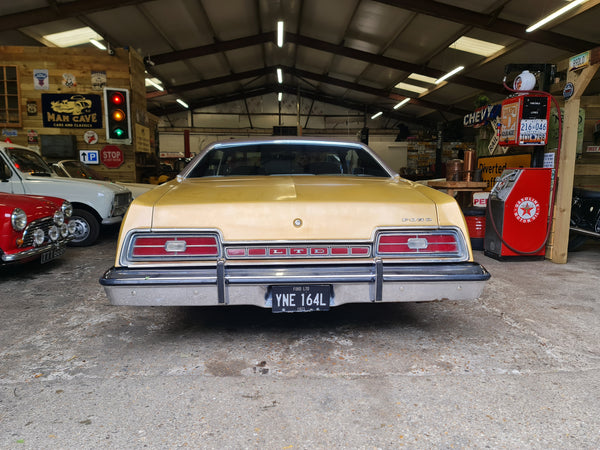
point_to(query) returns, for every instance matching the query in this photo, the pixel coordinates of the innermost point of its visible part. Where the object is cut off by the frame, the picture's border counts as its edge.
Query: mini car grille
(121, 203)
(297, 251)
(43, 224)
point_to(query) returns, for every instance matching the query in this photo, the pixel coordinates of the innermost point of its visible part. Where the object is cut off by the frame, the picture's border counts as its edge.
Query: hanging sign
(72, 111)
(89, 156)
(111, 156)
(482, 115)
(69, 80)
(579, 61)
(509, 121)
(90, 137)
(568, 90)
(493, 166)
(40, 79)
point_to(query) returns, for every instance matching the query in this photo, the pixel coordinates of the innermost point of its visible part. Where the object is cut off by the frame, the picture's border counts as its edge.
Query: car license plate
(303, 298)
(51, 254)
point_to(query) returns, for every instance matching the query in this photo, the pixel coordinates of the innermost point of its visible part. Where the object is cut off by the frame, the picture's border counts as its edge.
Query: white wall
(236, 120)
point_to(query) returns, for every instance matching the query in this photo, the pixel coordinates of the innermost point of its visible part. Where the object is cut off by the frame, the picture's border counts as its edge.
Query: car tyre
(88, 228)
(576, 241)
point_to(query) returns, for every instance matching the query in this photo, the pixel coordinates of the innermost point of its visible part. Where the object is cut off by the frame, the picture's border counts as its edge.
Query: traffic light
(118, 116)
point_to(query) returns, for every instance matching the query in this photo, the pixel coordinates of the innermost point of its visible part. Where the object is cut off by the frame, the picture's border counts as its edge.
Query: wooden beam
(492, 23)
(59, 11)
(216, 47)
(385, 61)
(559, 239)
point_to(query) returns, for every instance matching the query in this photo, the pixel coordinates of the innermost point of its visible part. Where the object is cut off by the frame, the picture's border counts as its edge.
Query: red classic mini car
(32, 227)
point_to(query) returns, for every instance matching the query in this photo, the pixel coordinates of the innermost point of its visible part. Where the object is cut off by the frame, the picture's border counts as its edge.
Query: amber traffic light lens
(118, 115)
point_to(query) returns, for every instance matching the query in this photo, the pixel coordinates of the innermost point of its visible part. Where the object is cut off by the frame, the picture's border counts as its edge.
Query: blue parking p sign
(89, 156)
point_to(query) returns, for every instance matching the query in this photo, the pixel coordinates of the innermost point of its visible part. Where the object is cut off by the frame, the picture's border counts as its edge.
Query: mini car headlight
(64, 230)
(38, 236)
(67, 209)
(72, 227)
(53, 232)
(59, 218)
(18, 219)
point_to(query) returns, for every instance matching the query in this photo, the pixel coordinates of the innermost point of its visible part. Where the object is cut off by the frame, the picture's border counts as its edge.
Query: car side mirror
(5, 173)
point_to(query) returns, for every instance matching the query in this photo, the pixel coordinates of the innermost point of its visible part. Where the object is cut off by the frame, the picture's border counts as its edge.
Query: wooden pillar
(557, 251)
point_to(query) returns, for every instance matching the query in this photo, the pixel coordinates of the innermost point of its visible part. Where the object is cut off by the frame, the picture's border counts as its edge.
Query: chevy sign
(482, 115)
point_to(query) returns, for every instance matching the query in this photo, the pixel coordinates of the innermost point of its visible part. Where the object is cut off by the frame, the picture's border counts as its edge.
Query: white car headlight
(59, 218)
(67, 209)
(72, 227)
(64, 230)
(18, 219)
(53, 232)
(38, 236)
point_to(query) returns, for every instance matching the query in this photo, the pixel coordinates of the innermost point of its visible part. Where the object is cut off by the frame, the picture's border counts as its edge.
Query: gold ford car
(293, 225)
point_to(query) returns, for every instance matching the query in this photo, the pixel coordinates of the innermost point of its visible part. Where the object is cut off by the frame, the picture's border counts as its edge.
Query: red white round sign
(111, 156)
(527, 210)
(90, 137)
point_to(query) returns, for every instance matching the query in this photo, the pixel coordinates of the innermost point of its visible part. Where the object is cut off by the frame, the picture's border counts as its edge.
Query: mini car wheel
(87, 228)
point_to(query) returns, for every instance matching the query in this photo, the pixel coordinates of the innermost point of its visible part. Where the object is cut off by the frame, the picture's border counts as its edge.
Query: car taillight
(398, 244)
(169, 246)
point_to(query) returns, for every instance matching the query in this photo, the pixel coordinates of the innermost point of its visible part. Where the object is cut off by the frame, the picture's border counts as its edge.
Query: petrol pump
(517, 213)
(518, 209)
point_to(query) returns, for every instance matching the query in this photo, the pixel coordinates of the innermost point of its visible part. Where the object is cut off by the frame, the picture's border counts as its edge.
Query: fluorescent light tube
(402, 103)
(377, 115)
(280, 33)
(279, 76)
(98, 44)
(554, 15)
(449, 74)
(279, 96)
(182, 103)
(155, 84)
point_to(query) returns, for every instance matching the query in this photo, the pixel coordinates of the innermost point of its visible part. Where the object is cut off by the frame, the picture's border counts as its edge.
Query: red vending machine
(517, 214)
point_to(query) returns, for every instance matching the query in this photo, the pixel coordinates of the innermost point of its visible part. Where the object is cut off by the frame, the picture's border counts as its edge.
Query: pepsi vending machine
(517, 214)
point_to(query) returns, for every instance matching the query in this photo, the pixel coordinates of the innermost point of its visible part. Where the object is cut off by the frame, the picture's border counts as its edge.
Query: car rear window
(287, 159)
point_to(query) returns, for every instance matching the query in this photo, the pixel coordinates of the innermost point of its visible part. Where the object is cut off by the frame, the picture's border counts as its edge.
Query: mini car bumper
(252, 285)
(46, 252)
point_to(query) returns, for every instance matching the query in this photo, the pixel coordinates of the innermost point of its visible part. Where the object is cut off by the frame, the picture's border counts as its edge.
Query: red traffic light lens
(116, 98)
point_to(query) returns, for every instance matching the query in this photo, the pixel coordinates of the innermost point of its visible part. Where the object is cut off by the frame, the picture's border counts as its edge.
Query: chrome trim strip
(37, 251)
(206, 286)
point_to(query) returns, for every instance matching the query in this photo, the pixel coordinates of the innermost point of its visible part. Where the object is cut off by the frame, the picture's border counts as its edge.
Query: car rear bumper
(251, 285)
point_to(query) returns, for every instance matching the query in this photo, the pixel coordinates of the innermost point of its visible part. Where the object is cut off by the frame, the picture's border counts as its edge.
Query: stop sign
(111, 156)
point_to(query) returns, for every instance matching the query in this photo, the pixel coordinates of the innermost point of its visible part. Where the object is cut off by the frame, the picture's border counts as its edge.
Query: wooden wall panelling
(80, 63)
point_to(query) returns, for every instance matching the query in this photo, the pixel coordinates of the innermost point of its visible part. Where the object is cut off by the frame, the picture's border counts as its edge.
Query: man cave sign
(527, 210)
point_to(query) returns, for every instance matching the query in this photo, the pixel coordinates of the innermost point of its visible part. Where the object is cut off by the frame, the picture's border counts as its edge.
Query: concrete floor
(519, 368)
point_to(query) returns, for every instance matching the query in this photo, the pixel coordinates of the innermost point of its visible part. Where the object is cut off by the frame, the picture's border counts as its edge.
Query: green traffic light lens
(118, 132)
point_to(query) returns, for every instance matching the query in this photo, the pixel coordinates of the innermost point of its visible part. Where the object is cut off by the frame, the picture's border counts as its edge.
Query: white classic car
(94, 203)
(72, 168)
(292, 225)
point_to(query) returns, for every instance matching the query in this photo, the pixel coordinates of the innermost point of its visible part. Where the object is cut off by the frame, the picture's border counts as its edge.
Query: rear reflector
(174, 247)
(298, 251)
(417, 243)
